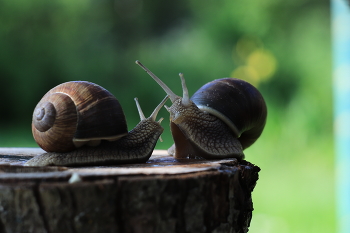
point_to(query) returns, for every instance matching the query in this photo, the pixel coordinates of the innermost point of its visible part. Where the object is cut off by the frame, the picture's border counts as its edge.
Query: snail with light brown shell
(220, 120)
(81, 123)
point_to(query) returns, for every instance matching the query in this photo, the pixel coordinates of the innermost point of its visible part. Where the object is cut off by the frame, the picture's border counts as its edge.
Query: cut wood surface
(162, 195)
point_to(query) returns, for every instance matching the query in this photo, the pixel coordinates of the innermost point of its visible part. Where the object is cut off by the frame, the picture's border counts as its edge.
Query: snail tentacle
(167, 90)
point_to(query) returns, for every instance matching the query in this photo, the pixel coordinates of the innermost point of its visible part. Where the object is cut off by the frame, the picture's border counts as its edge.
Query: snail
(81, 123)
(220, 120)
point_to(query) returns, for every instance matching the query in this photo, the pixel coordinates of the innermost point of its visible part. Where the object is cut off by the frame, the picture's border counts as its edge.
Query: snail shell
(237, 103)
(76, 113)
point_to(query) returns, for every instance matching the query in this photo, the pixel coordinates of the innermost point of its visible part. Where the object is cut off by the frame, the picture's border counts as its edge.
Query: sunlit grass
(295, 192)
(16, 136)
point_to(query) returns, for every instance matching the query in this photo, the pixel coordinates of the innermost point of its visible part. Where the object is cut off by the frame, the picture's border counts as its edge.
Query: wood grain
(162, 195)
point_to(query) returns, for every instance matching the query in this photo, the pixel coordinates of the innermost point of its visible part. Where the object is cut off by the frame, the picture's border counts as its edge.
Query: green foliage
(282, 47)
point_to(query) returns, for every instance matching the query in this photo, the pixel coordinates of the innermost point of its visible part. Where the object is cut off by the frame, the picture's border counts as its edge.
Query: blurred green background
(282, 47)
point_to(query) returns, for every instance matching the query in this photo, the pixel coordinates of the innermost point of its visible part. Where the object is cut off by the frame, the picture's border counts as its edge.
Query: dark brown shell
(238, 103)
(75, 113)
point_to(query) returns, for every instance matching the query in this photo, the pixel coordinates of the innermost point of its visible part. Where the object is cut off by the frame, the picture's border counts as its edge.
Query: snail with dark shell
(220, 120)
(81, 123)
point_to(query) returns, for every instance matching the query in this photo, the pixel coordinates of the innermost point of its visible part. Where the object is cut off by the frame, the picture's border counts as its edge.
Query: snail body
(220, 120)
(89, 128)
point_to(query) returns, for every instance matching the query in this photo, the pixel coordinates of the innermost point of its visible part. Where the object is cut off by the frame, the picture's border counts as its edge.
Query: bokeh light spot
(246, 73)
(263, 62)
(245, 46)
(257, 64)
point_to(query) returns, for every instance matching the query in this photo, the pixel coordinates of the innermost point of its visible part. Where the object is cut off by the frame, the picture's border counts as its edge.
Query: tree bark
(162, 195)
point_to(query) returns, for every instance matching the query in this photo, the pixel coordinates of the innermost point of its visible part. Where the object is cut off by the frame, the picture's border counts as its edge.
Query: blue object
(341, 79)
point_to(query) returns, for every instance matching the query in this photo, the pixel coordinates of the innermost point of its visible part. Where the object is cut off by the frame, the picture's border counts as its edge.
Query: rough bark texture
(162, 195)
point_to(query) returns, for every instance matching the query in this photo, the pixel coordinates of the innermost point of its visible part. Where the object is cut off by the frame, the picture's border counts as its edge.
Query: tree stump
(162, 195)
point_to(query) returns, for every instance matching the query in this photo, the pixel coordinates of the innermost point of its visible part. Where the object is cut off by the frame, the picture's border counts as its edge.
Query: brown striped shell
(76, 113)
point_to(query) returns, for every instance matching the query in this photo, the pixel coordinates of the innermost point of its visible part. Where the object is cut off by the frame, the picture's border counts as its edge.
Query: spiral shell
(76, 113)
(236, 102)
